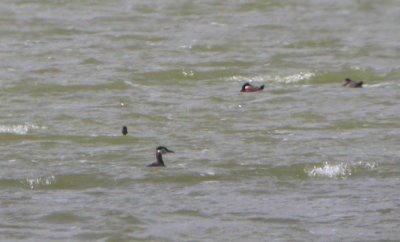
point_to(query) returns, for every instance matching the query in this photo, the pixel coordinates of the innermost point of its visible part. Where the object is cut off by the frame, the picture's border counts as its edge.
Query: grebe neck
(159, 159)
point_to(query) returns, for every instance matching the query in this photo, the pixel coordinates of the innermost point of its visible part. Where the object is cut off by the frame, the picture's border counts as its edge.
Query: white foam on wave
(19, 128)
(298, 77)
(40, 181)
(383, 84)
(331, 171)
(247, 79)
(208, 173)
(338, 170)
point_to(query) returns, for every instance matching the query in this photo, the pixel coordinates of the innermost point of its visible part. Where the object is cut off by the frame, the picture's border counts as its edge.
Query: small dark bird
(247, 87)
(124, 130)
(349, 83)
(160, 150)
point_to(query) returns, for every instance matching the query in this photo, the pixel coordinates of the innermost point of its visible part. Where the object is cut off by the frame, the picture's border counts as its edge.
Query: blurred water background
(304, 160)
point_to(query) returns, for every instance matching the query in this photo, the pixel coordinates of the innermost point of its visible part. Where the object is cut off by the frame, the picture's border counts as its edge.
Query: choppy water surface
(304, 160)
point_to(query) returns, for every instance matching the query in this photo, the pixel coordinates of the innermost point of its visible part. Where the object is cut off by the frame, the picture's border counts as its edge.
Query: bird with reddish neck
(247, 87)
(160, 150)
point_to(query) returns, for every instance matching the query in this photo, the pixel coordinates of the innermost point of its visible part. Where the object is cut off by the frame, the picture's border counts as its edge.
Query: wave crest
(294, 78)
(40, 182)
(19, 128)
(338, 170)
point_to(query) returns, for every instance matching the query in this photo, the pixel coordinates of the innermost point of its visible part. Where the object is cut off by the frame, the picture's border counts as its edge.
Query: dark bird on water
(160, 150)
(247, 87)
(350, 83)
(124, 130)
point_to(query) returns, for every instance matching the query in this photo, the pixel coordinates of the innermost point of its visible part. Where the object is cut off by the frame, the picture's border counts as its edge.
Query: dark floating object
(124, 130)
(350, 83)
(159, 152)
(247, 87)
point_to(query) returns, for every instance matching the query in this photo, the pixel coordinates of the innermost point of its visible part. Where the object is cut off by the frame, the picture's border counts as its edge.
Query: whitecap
(302, 76)
(294, 78)
(339, 170)
(257, 79)
(330, 170)
(19, 128)
(16, 129)
(40, 181)
(208, 173)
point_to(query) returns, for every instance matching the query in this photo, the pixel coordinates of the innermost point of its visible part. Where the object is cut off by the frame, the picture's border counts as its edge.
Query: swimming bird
(160, 150)
(247, 87)
(124, 130)
(350, 83)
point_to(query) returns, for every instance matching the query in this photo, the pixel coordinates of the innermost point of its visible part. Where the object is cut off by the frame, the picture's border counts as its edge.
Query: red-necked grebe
(247, 87)
(350, 83)
(160, 150)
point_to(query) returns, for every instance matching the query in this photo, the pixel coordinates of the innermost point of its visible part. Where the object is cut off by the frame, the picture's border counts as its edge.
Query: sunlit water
(303, 160)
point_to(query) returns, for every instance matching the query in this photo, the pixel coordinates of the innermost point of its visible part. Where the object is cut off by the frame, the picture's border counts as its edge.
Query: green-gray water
(303, 160)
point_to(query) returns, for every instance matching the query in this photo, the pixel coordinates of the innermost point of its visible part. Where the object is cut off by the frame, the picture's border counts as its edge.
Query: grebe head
(124, 130)
(163, 150)
(245, 85)
(160, 150)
